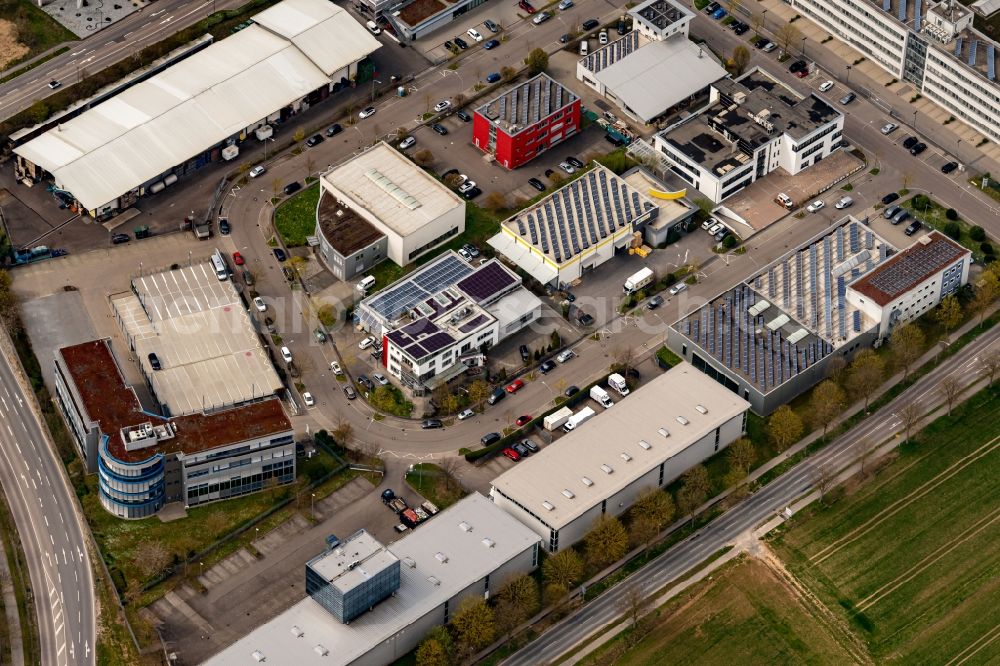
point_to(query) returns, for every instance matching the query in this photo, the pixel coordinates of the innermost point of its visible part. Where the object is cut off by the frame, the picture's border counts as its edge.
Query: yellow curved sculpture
(660, 194)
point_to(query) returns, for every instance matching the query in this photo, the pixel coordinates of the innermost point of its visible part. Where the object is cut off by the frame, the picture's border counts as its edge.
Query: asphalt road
(105, 47)
(49, 525)
(754, 510)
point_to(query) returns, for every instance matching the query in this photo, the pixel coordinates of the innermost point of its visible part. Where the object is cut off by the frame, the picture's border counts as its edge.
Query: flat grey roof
(661, 13)
(200, 332)
(641, 78)
(527, 103)
(439, 559)
(338, 565)
(619, 445)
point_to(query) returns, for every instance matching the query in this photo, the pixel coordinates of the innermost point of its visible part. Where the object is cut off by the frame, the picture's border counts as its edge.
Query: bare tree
(756, 22)
(151, 558)
(907, 344)
(835, 368)
(344, 431)
(827, 402)
(990, 365)
(310, 165)
(449, 470)
(909, 414)
(635, 604)
(823, 479)
(786, 35)
(866, 451)
(950, 389)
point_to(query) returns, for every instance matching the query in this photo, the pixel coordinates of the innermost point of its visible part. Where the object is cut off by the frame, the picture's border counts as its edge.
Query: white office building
(932, 45)
(750, 127)
(468, 550)
(646, 440)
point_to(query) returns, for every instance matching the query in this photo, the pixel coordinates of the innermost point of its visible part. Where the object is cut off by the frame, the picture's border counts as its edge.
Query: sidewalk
(10, 609)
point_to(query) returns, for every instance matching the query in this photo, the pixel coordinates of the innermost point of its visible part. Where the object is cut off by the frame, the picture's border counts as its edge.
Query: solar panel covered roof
(403, 294)
(489, 281)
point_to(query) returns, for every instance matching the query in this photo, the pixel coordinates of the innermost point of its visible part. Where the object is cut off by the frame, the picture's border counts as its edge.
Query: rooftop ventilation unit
(587, 482)
(321, 650)
(465, 527)
(548, 506)
(258, 656)
(297, 632)
(441, 557)
(433, 581)
(682, 420)
(568, 494)
(663, 432)
(608, 469)
(797, 335)
(645, 445)
(410, 562)
(489, 543)
(701, 408)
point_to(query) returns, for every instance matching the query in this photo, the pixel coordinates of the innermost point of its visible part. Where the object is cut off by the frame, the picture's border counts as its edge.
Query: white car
(565, 356)
(844, 202)
(441, 106)
(565, 4)
(366, 343)
(260, 304)
(286, 354)
(541, 17)
(465, 414)
(826, 85)
(380, 378)
(472, 32)
(603, 37)
(335, 367)
(889, 128)
(567, 167)
(367, 112)
(715, 228)
(466, 186)
(678, 288)
(257, 171)
(815, 206)
(770, 47)
(407, 143)
(709, 223)
(307, 398)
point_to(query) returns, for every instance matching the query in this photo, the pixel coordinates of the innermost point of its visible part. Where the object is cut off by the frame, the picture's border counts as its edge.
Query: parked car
(441, 106)
(900, 217)
(531, 446)
(350, 392)
(154, 361)
(286, 354)
(567, 167)
(741, 29)
(471, 194)
(525, 353)
(603, 37)
(367, 383)
(575, 162)
(307, 398)
(515, 386)
(464, 114)
(889, 128)
(526, 6)
(654, 302)
(490, 438)
(547, 366)
(769, 46)
(461, 43)
(815, 206)
(541, 18)
(523, 420)
(472, 32)
(439, 128)
(802, 73)
(521, 449)
(335, 368)
(919, 148)
(314, 140)
(467, 186)
(537, 184)
(431, 424)
(590, 24)
(496, 396)
(292, 188)
(511, 453)
(380, 378)
(367, 112)
(719, 14)
(711, 7)
(493, 77)
(889, 198)
(53, 84)
(709, 223)
(585, 319)
(279, 254)
(913, 228)
(260, 304)
(408, 142)
(714, 229)
(366, 343)
(565, 37)
(565, 355)
(844, 202)
(910, 141)
(678, 288)
(949, 167)
(238, 259)
(491, 26)
(334, 129)
(448, 45)
(847, 99)
(492, 44)
(257, 171)
(118, 239)
(224, 227)
(571, 391)
(471, 249)
(761, 43)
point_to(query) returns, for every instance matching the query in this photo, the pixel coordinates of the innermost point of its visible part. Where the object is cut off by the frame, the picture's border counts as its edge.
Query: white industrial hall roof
(461, 545)
(394, 190)
(620, 445)
(658, 75)
(195, 104)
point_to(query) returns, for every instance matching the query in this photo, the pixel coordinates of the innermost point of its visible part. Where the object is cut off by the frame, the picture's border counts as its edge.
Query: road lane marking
(62, 648)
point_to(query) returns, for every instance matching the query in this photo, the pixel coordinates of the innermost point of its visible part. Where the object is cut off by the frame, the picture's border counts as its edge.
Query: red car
(522, 420)
(238, 259)
(802, 73)
(515, 386)
(512, 454)
(526, 6)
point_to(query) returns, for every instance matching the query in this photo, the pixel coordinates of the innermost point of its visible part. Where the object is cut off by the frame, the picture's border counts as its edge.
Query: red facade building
(525, 121)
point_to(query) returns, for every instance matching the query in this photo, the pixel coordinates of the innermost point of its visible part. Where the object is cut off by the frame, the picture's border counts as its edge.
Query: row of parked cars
(409, 517)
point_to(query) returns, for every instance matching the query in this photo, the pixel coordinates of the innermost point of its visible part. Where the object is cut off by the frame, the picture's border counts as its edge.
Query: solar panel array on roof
(608, 55)
(487, 282)
(400, 297)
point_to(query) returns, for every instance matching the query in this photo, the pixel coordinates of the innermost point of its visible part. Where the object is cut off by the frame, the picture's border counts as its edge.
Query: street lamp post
(803, 47)
(374, 81)
(848, 74)
(763, 19)
(914, 119)
(312, 510)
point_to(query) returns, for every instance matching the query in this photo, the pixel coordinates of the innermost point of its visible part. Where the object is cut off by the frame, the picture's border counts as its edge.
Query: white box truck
(617, 382)
(557, 418)
(601, 396)
(578, 418)
(638, 281)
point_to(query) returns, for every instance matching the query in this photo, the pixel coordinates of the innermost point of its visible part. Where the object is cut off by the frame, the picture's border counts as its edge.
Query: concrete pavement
(48, 521)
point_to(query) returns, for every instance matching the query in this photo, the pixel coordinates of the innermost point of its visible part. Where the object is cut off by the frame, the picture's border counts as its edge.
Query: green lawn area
(429, 480)
(35, 29)
(743, 614)
(296, 217)
(934, 215)
(909, 559)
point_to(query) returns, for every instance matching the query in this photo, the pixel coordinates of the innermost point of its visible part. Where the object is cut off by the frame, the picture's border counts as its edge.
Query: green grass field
(911, 557)
(35, 29)
(296, 218)
(746, 614)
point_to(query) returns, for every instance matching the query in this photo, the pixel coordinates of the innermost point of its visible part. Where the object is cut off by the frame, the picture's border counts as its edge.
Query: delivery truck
(638, 281)
(580, 417)
(617, 382)
(557, 418)
(601, 396)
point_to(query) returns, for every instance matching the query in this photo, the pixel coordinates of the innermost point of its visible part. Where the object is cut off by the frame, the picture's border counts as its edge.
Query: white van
(219, 264)
(584, 47)
(373, 28)
(367, 282)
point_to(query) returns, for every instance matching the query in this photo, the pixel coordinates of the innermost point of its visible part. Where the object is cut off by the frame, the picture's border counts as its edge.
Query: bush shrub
(977, 233)
(986, 248)
(951, 214)
(953, 231)
(920, 202)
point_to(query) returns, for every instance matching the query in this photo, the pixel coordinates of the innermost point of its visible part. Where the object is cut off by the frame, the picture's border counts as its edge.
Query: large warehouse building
(647, 440)
(576, 228)
(379, 204)
(143, 139)
(468, 550)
